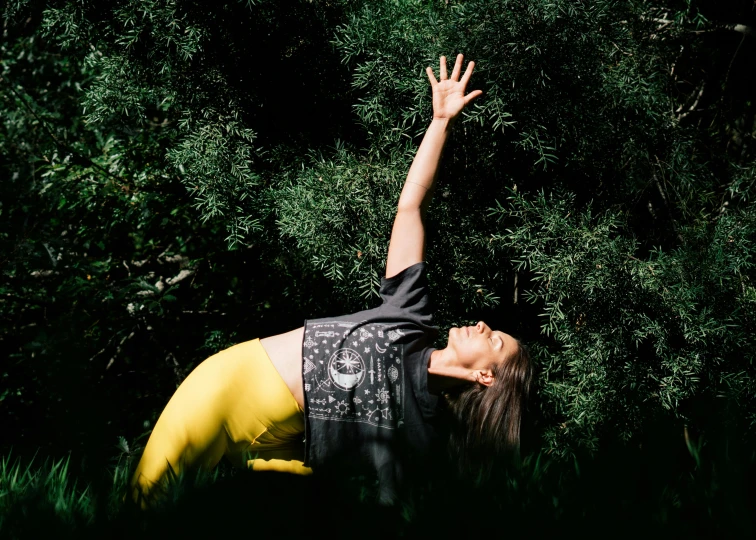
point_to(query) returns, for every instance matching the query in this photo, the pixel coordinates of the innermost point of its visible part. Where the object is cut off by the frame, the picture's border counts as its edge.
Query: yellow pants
(236, 404)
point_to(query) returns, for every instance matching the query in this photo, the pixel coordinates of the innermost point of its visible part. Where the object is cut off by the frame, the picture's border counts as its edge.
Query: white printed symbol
(395, 334)
(331, 399)
(342, 408)
(346, 369)
(382, 395)
(364, 334)
(308, 366)
(309, 343)
(377, 348)
(380, 333)
(325, 334)
(393, 373)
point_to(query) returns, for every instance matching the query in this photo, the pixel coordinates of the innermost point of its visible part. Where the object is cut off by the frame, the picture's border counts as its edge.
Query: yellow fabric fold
(236, 404)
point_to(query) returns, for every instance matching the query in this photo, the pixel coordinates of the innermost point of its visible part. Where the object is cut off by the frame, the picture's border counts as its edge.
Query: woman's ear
(484, 377)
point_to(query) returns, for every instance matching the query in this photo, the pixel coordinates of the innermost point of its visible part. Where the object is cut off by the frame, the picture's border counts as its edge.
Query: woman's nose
(479, 326)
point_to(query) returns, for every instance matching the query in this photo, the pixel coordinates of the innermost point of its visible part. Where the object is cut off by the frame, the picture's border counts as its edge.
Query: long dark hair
(486, 419)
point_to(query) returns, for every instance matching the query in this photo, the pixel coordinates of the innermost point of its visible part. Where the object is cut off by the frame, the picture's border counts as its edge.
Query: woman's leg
(265, 425)
(235, 404)
(191, 431)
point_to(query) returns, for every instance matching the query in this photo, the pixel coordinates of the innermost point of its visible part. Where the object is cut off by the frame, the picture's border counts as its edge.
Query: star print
(355, 343)
(367, 349)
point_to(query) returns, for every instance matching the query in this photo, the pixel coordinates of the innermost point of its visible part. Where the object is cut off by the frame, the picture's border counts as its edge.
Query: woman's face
(478, 347)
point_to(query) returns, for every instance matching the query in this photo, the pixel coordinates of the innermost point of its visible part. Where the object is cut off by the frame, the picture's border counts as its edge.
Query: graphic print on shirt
(346, 369)
(354, 375)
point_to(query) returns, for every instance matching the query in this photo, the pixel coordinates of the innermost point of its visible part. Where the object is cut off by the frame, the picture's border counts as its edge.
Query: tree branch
(55, 139)
(739, 28)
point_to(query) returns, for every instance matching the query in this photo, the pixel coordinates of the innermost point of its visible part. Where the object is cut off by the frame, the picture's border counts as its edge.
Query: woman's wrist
(445, 122)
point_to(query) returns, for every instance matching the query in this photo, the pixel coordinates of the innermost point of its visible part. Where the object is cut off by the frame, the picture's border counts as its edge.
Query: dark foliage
(180, 176)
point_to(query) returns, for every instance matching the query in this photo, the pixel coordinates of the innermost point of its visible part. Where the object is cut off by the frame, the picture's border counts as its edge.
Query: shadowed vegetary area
(181, 176)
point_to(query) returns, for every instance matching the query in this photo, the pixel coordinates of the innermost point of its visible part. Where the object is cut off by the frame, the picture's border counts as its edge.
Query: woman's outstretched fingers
(443, 76)
(468, 73)
(431, 76)
(457, 67)
(472, 95)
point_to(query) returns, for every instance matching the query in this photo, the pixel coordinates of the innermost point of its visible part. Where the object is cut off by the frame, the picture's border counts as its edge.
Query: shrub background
(181, 176)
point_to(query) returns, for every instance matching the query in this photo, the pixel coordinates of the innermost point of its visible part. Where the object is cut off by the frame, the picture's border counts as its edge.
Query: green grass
(39, 498)
(696, 489)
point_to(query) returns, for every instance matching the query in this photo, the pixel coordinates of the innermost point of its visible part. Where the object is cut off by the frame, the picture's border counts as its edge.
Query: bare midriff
(285, 352)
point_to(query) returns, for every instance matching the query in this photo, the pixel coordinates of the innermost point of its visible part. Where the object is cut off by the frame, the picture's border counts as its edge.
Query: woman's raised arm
(407, 245)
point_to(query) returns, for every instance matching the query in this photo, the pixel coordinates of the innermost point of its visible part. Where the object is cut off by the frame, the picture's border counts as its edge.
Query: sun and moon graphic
(376, 372)
(346, 368)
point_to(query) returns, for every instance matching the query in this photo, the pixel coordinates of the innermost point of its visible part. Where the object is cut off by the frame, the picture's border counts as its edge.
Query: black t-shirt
(366, 383)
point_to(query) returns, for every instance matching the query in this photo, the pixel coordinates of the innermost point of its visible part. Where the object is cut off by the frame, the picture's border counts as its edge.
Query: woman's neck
(443, 375)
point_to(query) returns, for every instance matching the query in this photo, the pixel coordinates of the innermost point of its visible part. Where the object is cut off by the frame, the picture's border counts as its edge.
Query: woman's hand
(449, 94)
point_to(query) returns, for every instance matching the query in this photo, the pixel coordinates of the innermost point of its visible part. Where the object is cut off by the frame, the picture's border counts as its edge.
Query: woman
(361, 388)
